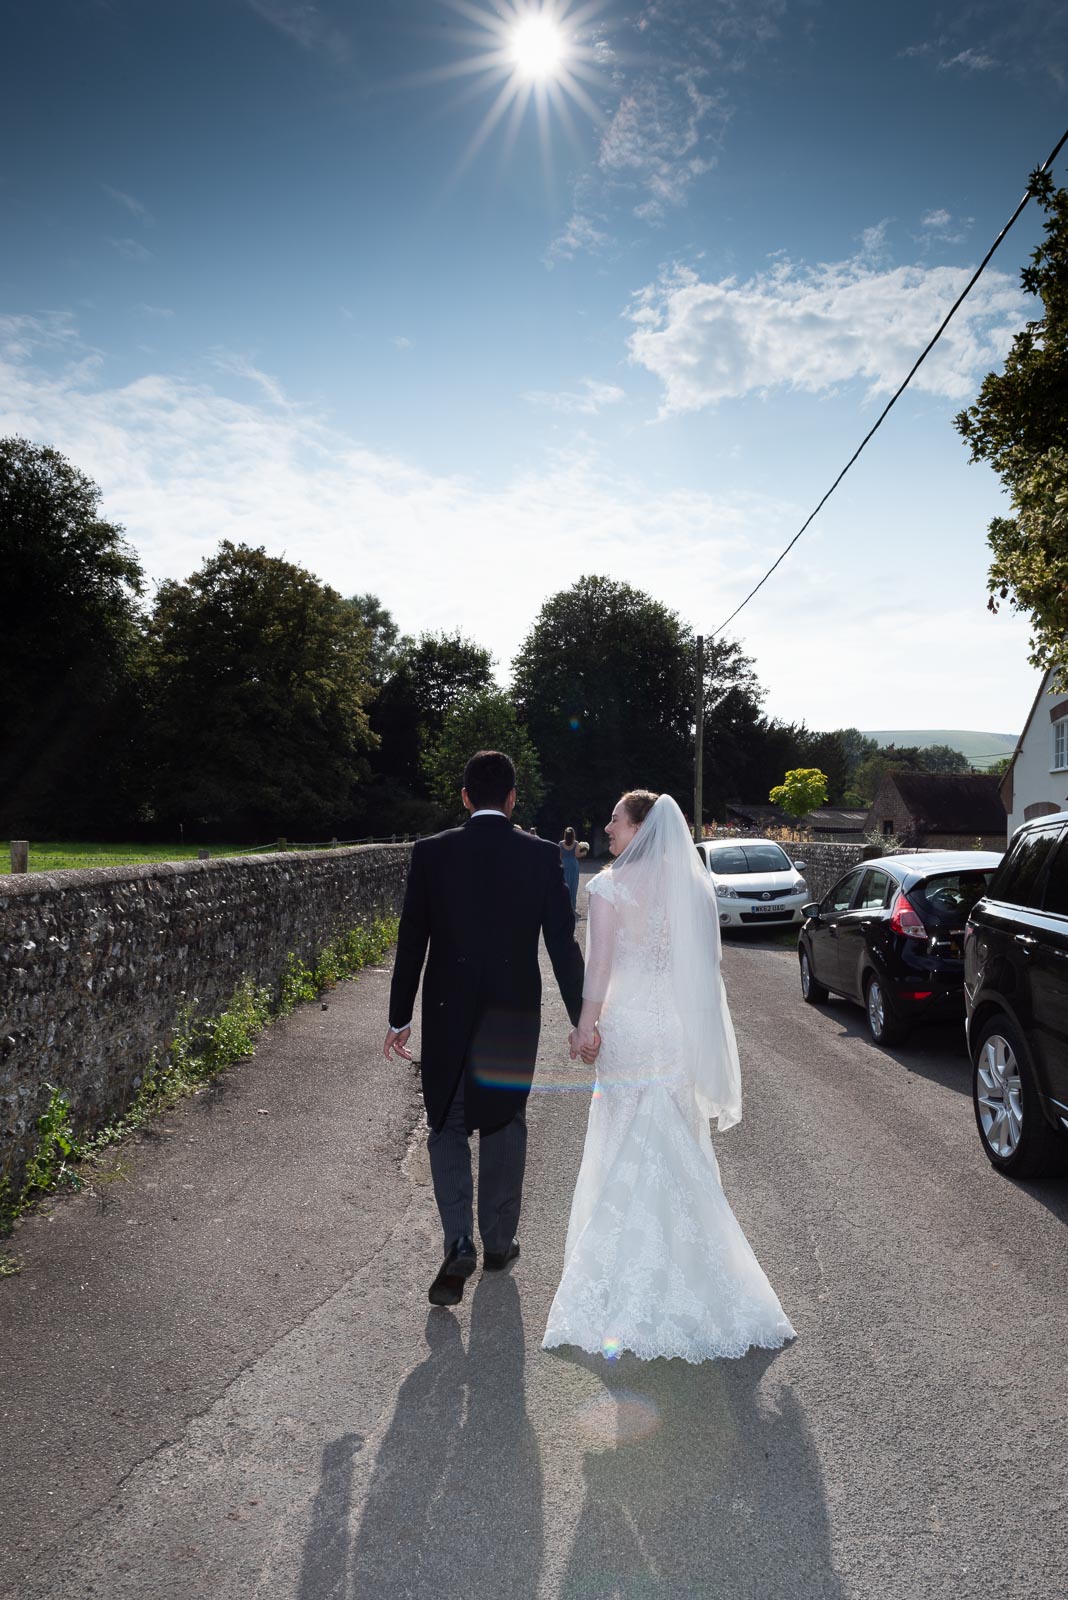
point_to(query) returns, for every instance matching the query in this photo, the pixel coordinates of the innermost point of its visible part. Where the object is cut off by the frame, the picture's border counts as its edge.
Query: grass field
(54, 856)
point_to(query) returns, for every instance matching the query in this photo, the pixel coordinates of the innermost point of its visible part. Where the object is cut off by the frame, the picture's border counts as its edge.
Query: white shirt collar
(489, 811)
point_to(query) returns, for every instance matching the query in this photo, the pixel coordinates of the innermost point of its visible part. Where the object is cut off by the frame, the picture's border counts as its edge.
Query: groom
(479, 896)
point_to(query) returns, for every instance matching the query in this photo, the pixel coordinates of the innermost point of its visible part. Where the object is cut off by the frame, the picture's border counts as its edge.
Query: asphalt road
(220, 1378)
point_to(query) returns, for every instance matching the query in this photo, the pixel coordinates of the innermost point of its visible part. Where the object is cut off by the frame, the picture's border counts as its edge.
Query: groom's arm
(558, 928)
(413, 935)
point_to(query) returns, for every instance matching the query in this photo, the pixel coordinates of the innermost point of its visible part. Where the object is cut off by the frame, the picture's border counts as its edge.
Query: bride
(655, 1261)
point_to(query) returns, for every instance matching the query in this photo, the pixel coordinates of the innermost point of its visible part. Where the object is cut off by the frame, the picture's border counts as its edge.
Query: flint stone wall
(98, 967)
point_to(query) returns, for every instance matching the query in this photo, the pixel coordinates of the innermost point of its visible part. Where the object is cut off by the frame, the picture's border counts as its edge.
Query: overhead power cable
(873, 430)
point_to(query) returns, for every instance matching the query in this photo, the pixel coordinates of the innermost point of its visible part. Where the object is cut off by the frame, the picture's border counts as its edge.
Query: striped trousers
(502, 1157)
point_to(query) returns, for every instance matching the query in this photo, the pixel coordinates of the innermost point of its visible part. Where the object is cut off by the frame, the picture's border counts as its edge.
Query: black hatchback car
(1016, 988)
(890, 935)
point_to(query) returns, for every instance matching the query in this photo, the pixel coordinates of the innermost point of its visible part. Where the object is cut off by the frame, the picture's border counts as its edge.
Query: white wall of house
(1037, 782)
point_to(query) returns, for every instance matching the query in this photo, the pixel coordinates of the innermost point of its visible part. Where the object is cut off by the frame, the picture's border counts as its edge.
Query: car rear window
(1017, 879)
(950, 896)
(736, 858)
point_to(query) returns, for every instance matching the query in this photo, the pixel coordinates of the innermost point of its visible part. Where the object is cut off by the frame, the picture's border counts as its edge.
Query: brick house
(940, 810)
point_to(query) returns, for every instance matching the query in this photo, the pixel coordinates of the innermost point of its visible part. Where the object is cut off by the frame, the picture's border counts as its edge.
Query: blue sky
(271, 273)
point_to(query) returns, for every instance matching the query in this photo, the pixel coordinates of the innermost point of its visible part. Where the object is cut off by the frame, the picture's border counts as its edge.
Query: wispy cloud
(164, 313)
(813, 328)
(402, 342)
(134, 207)
(131, 249)
(970, 61)
(590, 398)
(658, 140)
(942, 227)
(305, 24)
(580, 234)
(241, 367)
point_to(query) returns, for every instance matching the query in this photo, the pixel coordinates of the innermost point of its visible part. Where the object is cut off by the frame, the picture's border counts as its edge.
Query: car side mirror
(800, 865)
(812, 910)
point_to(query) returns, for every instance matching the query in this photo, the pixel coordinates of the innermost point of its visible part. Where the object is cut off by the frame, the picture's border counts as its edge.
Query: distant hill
(981, 749)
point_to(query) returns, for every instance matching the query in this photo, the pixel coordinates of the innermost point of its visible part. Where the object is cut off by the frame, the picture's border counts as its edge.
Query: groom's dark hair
(489, 778)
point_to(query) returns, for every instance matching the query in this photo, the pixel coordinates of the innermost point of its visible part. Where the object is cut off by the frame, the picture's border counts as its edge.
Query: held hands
(584, 1042)
(397, 1044)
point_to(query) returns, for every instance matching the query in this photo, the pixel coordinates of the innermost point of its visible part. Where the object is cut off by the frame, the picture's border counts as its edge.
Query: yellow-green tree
(800, 792)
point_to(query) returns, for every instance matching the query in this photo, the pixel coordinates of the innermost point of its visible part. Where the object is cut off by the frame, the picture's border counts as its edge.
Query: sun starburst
(528, 53)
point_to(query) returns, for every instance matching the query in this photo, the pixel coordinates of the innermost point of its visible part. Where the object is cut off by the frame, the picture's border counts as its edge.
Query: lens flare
(618, 1418)
(538, 47)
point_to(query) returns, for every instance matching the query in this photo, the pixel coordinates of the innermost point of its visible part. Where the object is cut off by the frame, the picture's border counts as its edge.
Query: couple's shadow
(456, 1496)
(692, 1486)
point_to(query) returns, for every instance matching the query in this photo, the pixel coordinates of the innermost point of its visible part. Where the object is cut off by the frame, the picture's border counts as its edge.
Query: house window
(888, 827)
(1060, 744)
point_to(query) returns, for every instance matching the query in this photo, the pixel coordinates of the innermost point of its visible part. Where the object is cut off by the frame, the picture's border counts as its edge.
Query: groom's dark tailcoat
(480, 896)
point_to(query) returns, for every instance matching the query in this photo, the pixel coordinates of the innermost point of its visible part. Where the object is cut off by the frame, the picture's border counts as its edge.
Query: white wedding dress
(655, 1260)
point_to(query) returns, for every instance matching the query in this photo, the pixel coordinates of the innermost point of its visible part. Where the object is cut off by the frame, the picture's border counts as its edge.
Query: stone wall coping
(16, 885)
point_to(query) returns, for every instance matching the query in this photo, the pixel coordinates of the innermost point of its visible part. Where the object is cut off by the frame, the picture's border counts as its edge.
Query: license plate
(773, 907)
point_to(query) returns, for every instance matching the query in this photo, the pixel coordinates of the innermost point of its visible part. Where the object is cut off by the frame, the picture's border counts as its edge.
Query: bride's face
(620, 830)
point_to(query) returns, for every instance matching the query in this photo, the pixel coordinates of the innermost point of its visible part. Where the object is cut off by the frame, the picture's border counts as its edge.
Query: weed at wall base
(200, 1048)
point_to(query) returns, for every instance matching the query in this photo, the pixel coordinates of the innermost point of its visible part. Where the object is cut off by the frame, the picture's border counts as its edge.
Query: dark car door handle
(1027, 941)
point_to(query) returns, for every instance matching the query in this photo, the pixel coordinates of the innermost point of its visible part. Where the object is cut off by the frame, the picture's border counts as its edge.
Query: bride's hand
(584, 1042)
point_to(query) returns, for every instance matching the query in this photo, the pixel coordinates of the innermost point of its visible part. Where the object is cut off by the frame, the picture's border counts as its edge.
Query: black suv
(890, 935)
(1016, 991)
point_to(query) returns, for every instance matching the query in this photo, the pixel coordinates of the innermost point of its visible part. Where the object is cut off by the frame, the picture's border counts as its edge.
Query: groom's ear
(509, 804)
(466, 798)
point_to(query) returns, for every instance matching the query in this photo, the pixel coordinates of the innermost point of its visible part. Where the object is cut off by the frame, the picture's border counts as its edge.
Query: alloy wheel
(998, 1096)
(876, 1008)
(806, 976)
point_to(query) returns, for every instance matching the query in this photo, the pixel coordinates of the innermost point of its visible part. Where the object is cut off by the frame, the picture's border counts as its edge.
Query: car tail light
(916, 994)
(905, 920)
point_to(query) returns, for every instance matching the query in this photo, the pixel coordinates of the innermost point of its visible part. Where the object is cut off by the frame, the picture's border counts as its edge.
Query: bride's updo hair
(638, 803)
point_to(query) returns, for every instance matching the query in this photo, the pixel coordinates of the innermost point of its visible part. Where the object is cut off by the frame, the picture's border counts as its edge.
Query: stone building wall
(98, 967)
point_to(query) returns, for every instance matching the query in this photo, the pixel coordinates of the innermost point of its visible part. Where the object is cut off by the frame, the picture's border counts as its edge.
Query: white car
(756, 882)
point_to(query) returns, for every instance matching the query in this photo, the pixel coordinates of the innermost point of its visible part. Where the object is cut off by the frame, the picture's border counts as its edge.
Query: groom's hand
(397, 1044)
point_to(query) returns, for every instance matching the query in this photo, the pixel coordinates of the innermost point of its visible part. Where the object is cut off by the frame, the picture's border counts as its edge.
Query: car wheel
(811, 989)
(884, 1024)
(1016, 1136)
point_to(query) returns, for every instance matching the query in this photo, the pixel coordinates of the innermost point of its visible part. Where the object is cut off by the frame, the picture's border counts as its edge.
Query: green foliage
(605, 684)
(483, 721)
(200, 1048)
(67, 648)
(1019, 424)
(800, 792)
(258, 686)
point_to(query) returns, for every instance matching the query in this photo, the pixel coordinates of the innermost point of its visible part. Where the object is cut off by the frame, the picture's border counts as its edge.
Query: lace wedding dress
(655, 1260)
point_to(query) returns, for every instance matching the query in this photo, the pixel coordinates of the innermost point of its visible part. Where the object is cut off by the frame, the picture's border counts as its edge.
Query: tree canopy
(800, 791)
(67, 646)
(1019, 424)
(485, 720)
(605, 682)
(258, 687)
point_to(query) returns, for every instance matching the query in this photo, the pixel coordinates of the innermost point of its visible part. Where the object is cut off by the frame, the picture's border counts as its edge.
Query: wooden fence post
(20, 855)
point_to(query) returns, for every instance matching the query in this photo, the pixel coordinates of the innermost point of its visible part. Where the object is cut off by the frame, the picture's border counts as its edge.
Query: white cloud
(162, 312)
(303, 22)
(936, 219)
(402, 342)
(592, 397)
(812, 328)
(971, 61)
(182, 466)
(132, 249)
(655, 139)
(242, 367)
(580, 234)
(135, 207)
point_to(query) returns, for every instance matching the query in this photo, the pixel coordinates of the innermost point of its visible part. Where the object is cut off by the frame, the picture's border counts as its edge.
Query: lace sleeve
(600, 941)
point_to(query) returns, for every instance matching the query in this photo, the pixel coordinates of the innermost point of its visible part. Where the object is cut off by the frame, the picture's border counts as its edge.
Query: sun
(538, 48)
(545, 56)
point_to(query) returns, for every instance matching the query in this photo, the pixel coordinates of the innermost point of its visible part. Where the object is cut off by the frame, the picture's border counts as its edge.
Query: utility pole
(699, 745)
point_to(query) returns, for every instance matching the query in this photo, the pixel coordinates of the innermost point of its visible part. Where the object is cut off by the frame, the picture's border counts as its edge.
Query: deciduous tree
(68, 649)
(1019, 424)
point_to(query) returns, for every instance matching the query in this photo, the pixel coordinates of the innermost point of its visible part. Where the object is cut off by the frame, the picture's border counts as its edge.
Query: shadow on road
(456, 1497)
(698, 1489)
(937, 1051)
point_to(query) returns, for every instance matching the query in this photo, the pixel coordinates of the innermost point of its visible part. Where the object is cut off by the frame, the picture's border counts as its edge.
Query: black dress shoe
(497, 1260)
(460, 1261)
